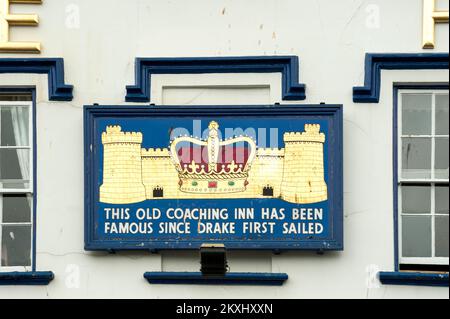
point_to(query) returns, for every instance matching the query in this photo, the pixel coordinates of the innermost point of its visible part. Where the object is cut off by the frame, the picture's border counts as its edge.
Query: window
(158, 192)
(423, 175)
(268, 191)
(16, 182)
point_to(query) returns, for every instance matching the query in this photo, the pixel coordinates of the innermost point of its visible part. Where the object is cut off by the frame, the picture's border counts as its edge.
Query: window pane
(17, 208)
(14, 168)
(441, 164)
(14, 126)
(416, 114)
(416, 158)
(442, 236)
(442, 200)
(416, 200)
(15, 96)
(16, 246)
(442, 114)
(416, 236)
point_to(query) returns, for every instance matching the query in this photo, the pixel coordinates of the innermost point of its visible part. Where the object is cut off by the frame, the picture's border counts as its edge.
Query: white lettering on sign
(302, 228)
(214, 221)
(307, 214)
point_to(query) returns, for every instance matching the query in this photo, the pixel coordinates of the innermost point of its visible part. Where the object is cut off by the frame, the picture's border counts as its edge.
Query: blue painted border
(196, 278)
(42, 278)
(53, 67)
(336, 241)
(375, 62)
(414, 279)
(288, 66)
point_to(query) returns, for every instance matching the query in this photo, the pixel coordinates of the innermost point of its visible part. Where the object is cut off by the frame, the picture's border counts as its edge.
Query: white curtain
(20, 121)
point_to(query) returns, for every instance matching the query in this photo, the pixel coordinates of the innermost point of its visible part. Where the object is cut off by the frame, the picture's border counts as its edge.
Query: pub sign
(248, 177)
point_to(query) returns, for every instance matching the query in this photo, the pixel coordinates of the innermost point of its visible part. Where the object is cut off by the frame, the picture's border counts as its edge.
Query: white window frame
(432, 181)
(25, 191)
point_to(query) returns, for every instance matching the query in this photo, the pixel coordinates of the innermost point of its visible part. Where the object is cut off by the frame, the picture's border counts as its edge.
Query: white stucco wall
(330, 37)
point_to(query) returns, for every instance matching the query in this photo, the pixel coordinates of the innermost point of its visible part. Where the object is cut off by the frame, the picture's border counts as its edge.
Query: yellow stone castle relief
(213, 169)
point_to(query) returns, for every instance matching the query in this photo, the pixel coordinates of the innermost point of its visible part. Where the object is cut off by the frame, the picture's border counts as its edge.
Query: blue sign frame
(95, 117)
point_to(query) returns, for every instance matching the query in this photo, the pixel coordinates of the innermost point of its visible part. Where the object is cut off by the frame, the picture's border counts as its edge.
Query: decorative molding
(196, 278)
(414, 279)
(54, 67)
(35, 278)
(292, 90)
(370, 92)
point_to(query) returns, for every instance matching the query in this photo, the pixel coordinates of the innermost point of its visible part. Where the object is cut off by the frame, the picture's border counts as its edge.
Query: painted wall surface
(99, 41)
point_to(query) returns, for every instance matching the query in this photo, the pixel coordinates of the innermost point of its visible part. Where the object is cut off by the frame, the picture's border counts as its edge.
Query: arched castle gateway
(294, 174)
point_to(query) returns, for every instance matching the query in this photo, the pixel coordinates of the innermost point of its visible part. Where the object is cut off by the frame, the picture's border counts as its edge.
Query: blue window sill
(414, 279)
(35, 278)
(196, 278)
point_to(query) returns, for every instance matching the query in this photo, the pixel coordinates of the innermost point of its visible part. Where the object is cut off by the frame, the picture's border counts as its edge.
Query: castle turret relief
(191, 168)
(122, 167)
(304, 174)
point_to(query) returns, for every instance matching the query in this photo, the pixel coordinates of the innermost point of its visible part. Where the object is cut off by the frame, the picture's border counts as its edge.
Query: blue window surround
(196, 278)
(57, 91)
(34, 277)
(53, 67)
(397, 277)
(374, 63)
(413, 279)
(287, 65)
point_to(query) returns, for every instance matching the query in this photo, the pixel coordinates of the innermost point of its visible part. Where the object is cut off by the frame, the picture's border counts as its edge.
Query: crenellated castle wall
(158, 171)
(266, 171)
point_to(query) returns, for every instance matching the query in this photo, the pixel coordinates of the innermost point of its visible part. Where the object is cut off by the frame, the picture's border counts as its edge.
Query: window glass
(423, 178)
(442, 238)
(16, 208)
(16, 246)
(416, 199)
(441, 158)
(416, 236)
(416, 158)
(16, 187)
(416, 114)
(14, 168)
(14, 126)
(442, 196)
(442, 114)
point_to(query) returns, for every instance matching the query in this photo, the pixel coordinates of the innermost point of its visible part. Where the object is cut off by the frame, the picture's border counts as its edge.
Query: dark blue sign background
(156, 124)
